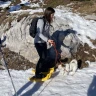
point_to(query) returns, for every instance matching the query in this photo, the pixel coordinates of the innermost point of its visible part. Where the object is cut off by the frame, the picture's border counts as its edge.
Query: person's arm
(40, 26)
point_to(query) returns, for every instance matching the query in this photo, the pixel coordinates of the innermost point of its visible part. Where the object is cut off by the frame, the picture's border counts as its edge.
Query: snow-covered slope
(83, 83)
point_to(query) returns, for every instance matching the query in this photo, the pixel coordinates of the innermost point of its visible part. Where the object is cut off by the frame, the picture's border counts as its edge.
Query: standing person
(41, 39)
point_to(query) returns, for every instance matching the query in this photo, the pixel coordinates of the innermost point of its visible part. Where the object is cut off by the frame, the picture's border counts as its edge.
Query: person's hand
(51, 42)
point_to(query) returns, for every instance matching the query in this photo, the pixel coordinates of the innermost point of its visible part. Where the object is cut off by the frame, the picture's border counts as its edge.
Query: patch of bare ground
(84, 53)
(84, 7)
(16, 61)
(81, 6)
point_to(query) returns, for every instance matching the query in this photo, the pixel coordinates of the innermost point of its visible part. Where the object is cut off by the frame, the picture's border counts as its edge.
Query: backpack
(33, 26)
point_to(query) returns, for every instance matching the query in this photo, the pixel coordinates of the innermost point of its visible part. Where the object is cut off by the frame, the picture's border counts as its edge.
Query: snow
(24, 1)
(83, 83)
(28, 10)
(82, 26)
(34, 5)
(4, 4)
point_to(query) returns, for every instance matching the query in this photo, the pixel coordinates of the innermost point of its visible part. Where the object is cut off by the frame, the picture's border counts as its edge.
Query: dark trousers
(42, 52)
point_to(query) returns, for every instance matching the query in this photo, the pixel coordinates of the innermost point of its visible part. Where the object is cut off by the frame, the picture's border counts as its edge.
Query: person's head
(49, 14)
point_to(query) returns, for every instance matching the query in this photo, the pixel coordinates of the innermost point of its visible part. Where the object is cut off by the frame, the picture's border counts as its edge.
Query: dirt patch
(55, 3)
(85, 7)
(81, 6)
(16, 61)
(84, 53)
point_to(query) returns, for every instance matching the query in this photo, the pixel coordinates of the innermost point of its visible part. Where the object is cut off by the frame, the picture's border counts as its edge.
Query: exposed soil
(15, 61)
(83, 54)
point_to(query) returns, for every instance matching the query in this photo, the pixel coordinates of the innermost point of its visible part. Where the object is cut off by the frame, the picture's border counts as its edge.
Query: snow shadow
(55, 74)
(92, 88)
(23, 88)
(35, 87)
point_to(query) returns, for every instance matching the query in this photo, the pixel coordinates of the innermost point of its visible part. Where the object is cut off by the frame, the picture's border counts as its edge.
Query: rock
(67, 42)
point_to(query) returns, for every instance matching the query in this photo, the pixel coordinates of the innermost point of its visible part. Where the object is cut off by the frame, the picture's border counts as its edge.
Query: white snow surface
(4, 4)
(82, 83)
(85, 28)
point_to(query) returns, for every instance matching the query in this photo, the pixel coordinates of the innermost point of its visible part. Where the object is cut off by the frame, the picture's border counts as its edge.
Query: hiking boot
(40, 76)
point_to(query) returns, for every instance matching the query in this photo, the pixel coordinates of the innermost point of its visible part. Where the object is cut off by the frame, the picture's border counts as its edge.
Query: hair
(47, 13)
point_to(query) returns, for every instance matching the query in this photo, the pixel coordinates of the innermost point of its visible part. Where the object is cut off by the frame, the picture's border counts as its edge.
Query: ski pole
(5, 65)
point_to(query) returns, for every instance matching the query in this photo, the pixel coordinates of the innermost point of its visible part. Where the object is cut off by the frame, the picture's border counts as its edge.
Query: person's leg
(42, 52)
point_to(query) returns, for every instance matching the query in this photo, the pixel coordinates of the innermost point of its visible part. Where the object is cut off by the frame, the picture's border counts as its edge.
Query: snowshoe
(48, 75)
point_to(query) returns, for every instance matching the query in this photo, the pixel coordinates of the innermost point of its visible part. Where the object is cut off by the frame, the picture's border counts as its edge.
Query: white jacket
(42, 35)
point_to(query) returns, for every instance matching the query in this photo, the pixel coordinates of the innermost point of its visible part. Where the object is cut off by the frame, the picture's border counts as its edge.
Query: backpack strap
(44, 20)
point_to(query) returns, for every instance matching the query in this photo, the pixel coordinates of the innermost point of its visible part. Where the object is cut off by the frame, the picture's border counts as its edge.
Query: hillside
(83, 83)
(11, 15)
(72, 26)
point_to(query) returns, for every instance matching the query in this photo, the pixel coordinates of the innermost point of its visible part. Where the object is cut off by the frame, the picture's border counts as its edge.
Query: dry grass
(5, 18)
(22, 16)
(85, 7)
(55, 3)
(27, 14)
(15, 2)
(81, 6)
(25, 7)
(15, 61)
(8, 19)
(2, 17)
